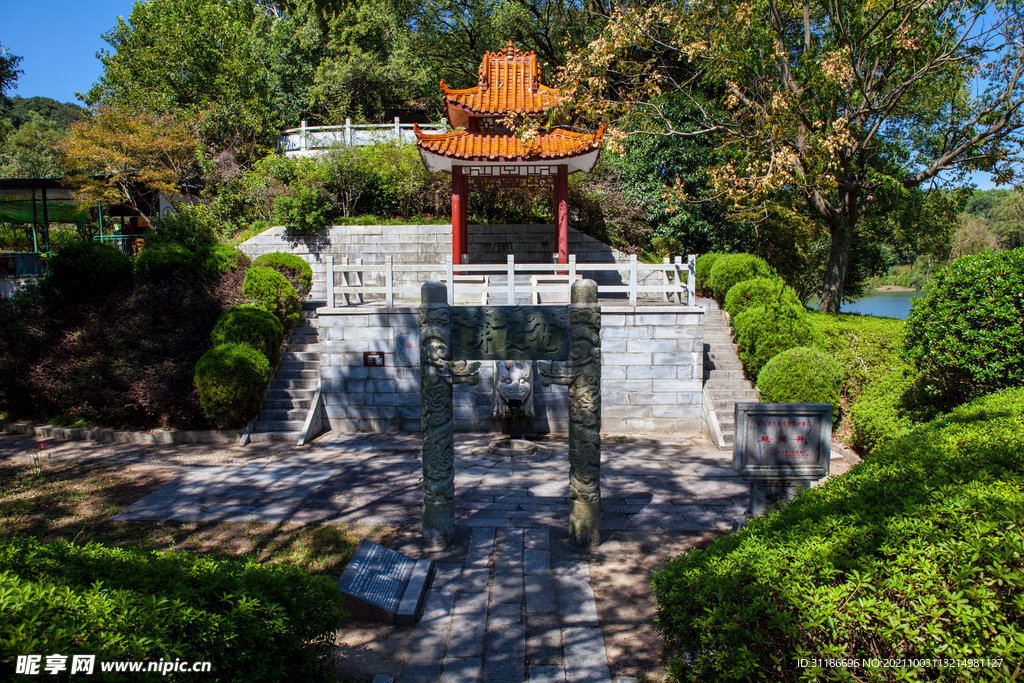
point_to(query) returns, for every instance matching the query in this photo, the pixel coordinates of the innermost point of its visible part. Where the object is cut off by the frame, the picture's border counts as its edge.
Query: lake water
(883, 304)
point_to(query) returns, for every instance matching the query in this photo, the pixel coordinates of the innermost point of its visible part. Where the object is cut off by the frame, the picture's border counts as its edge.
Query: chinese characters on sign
(784, 440)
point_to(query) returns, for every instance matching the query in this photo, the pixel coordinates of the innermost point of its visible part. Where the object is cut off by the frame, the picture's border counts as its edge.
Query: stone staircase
(725, 384)
(294, 385)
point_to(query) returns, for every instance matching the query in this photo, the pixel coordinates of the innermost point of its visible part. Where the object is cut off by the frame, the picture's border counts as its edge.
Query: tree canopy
(848, 104)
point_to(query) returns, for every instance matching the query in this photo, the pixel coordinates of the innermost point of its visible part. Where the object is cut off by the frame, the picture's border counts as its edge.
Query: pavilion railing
(312, 139)
(470, 282)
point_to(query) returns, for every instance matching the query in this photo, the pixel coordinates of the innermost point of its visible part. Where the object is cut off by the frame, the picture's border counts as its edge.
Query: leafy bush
(916, 554)
(761, 291)
(215, 260)
(702, 269)
(967, 334)
(231, 380)
(801, 375)
(250, 325)
(766, 331)
(867, 347)
(293, 267)
(83, 270)
(162, 262)
(731, 269)
(269, 290)
(193, 226)
(888, 408)
(252, 622)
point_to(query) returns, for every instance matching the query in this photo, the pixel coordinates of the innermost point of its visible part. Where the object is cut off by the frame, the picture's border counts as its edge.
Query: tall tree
(202, 58)
(849, 104)
(8, 69)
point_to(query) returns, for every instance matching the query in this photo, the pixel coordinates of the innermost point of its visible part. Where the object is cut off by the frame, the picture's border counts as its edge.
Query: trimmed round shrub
(254, 622)
(702, 269)
(915, 554)
(766, 331)
(801, 375)
(761, 291)
(248, 324)
(967, 334)
(162, 263)
(268, 289)
(294, 268)
(734, 268)
(231, 379)
(83, 270)
(213, 261)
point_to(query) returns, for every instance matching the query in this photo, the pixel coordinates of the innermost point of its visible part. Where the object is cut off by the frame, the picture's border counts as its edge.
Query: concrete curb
(850, 456)
(226, 436)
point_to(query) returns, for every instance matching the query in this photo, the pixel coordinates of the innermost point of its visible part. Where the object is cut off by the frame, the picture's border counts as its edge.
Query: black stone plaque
(380, 584)
(372, 359)
(510, 333)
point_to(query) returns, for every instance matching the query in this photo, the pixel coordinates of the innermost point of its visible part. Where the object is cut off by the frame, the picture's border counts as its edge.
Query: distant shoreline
(894, 288)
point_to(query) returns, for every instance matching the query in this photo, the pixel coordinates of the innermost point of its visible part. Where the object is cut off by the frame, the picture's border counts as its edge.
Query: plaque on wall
(782, 440)
(373, 359)
(380, 584)
(407, 349)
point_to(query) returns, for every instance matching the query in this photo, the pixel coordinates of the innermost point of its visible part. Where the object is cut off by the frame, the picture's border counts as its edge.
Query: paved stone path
(511, 602)
(678, 483)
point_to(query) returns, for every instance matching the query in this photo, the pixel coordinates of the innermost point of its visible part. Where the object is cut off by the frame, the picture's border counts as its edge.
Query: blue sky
(58, 41)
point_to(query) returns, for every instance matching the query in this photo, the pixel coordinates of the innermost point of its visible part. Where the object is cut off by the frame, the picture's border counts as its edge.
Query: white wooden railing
(677, 280)
(306, 140)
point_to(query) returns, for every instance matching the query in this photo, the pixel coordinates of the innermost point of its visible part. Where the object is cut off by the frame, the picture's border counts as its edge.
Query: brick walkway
(511, 602)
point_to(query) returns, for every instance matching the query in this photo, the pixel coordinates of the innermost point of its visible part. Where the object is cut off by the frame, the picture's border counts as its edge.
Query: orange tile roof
(509, 81)
(555, 144)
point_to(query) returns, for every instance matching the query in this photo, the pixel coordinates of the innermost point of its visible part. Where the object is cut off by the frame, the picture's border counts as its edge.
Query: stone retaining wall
(651, 373)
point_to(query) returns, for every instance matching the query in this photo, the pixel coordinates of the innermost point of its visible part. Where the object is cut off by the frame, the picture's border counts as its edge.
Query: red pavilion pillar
(562, 211)
(458, 214)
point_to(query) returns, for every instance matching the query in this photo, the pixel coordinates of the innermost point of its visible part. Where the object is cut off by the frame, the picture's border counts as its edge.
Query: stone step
(287, 404)
(272, 437)
(723, 357)
(287, 374)
(285, 393)
(304, 330)
(726, 365)
(735, 395)
(725, 374)
(731, 383)
(304, 384)
(720, 347)
(304, 348)
(722, 338)
(278, 425)
(292, 365)
(290, 355)
(283, 414)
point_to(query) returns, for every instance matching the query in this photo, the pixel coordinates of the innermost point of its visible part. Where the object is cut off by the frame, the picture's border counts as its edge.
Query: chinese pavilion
(484, 149)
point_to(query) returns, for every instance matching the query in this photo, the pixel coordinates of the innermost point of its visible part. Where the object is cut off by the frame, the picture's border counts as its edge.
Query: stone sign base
(382, 585)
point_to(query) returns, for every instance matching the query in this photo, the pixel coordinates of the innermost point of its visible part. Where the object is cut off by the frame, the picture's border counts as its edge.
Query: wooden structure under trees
(485, 148)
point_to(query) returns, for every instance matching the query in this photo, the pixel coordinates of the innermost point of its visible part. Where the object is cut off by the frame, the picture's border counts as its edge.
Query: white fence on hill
(309, 140)
(549, 282)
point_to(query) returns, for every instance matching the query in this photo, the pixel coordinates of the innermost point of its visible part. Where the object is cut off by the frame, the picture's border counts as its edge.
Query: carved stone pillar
(438, 429)
(585, 415)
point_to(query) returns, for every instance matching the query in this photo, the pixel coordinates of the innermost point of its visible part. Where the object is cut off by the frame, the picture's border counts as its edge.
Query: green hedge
(268, 289)
(702, 270)
(231, 380)
(765, 331)
(761, 291)
(917, 554)
(85, 270)
(967, 334)
(251, 621)
(162, 263)
(731, 269)
(213, 261)
(247, 324)
(295, 269)
(801, 375)
(888, 408)
(867, 347)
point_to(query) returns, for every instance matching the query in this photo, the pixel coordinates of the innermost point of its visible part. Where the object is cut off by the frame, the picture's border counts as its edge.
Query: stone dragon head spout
(513, 390)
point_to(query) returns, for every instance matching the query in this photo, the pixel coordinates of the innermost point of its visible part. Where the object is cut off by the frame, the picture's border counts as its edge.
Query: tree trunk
(838, 260)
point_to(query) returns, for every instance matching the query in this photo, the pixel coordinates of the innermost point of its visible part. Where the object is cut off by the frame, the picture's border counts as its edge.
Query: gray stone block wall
(431, 244)
(651, 375)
